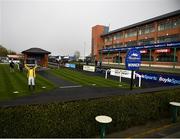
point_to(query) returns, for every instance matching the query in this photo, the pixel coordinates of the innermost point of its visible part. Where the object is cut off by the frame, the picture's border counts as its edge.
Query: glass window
(168, 24)
(119, 35)
(117, 59)
(178, 21)
(119, 45)
(146, 41)
(110, 39)
(146, 57)
(146, 29)
(166, 58)
(131, 33)
(171, 38)
(131, 43)
(175, 23)
(161, 27)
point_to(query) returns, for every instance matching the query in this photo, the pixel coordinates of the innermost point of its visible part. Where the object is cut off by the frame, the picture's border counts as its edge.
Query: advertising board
(70, 65)
(89, 68)
(161, 78)
(133, 59)
(122, 73)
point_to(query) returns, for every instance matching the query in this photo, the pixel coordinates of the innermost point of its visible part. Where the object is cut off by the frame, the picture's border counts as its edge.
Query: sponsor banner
(143, 51)
(122, 73)
(70, 65)
(161, 78)
(157, 45)
(162, 51)
(89, 68)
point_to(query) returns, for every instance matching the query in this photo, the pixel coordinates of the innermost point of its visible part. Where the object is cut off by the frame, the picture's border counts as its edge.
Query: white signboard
(115, 72)
(122, 73)
(89, 68)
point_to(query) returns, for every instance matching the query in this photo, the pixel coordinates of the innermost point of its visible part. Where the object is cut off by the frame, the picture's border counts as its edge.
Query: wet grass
(11, 82)
(86, 80)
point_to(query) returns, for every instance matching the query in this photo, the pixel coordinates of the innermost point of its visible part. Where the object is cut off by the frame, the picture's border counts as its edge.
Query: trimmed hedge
(77, 119)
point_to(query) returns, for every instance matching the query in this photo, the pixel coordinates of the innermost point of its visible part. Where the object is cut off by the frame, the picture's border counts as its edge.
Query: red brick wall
(97, 41)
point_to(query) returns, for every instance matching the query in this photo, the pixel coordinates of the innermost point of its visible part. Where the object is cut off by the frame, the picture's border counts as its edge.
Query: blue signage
(149, 46)
(133, 59)
(161, 78)
(70, 65)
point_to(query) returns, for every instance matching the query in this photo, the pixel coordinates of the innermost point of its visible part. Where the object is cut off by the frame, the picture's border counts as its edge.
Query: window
(108, 46)
(146, 29)
(171, 38)
(117, 59)
(131, 43)
(166, 58)
(118, 36)
(146, 57)
(131, 33)
(108, 39)
(168, 24)
(146, 41)
(176, 23)
(118, 45)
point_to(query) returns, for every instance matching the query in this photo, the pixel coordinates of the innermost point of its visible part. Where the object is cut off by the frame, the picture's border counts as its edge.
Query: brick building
(158, 40)
(38, 54)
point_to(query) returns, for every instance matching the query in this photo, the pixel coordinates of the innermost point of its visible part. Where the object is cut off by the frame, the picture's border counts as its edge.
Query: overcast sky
(64, 26)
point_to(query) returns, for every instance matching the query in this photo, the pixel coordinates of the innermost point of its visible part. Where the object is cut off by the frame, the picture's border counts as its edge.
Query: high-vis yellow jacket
(31, 71)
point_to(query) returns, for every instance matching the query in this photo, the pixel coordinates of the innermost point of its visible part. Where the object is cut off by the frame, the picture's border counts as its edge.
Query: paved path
(57, 81)
(68, 91)
(157, 129)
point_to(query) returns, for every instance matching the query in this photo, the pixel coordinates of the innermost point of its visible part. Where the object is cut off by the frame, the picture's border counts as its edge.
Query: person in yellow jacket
(31, 74)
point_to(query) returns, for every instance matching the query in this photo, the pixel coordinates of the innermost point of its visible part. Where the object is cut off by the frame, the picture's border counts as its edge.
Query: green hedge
(76, 119)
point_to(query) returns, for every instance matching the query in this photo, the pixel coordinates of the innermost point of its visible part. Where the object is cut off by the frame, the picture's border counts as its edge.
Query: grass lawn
(86, 80)
(17, 81)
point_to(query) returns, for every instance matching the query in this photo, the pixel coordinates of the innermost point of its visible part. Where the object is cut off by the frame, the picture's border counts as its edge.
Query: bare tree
(76, 55)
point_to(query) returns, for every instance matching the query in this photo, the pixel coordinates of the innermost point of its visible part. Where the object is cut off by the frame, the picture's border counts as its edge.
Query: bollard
(174, 113)
(103, 120)
(174, 109)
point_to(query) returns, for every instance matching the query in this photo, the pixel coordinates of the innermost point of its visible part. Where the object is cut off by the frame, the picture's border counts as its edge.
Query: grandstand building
(158, 40)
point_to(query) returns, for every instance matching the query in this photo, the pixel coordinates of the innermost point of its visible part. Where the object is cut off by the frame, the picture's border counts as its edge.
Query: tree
(10, 52)
(76, 55)
(3, 51)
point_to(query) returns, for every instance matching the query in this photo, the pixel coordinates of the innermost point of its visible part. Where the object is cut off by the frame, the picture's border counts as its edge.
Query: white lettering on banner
(147, 77)
(122, 73)
(89, 68)
(161, 79)
(168, 80)
(133, 64)
(162, 50)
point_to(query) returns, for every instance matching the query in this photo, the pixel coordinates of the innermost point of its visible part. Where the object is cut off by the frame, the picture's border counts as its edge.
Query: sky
(64, 26)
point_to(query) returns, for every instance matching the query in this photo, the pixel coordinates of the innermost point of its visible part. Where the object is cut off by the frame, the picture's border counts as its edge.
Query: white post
(139, 76)
(139, 81)
(120, 76)
(106, 74)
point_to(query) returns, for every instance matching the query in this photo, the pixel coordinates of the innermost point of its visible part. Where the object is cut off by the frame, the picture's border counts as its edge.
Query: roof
(14, 56)
(35, 51)
(174, 13)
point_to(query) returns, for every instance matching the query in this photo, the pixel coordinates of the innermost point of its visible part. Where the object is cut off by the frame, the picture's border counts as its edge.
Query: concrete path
(157, 129)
